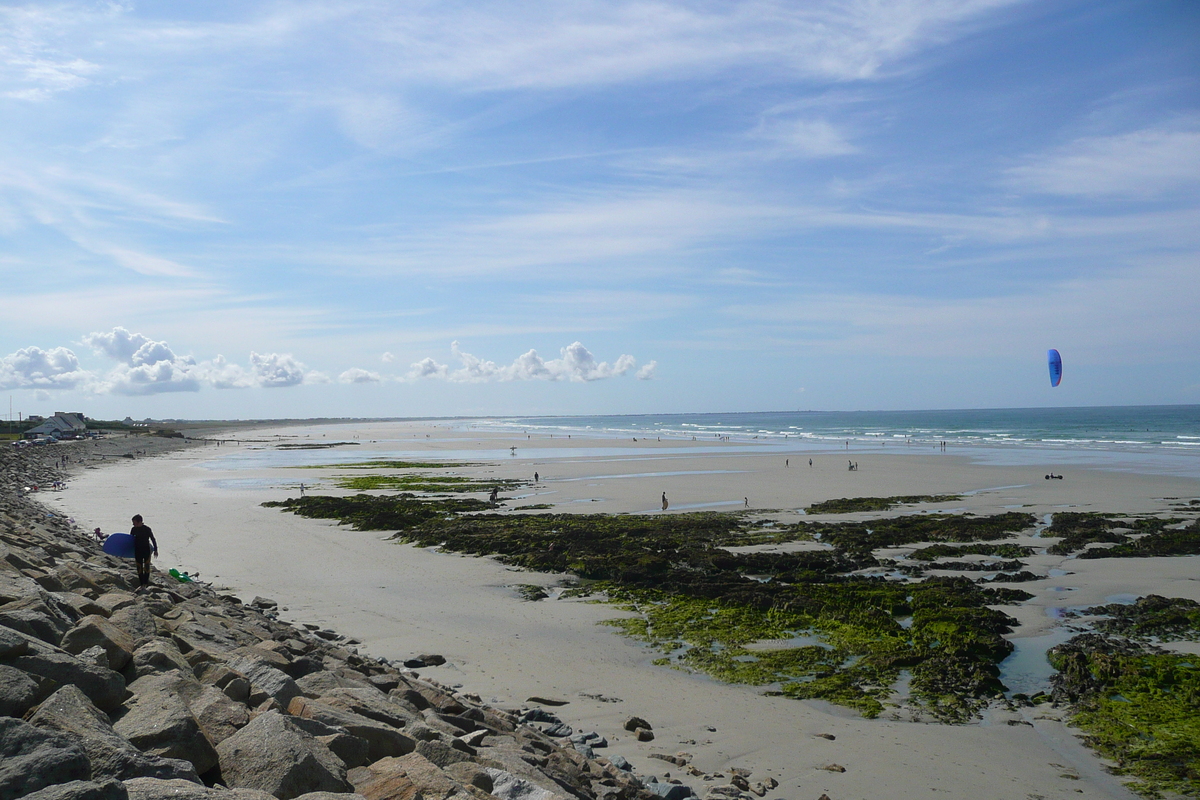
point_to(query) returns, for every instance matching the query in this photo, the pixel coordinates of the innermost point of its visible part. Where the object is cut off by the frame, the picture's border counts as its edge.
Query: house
(63, 425)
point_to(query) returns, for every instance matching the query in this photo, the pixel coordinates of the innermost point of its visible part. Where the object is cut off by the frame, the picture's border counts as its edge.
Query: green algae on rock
(706, 606)
(850, 505)
(1136, 704)
(1151, 617)
(423, 483)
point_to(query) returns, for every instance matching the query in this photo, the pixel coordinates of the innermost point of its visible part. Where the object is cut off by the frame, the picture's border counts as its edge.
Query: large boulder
(94, 630)
(273, 755)
(266, 681)
(383, 740)
(218, 716)
(69, 712)
(158, 720)
(159, 655)
(18, 692)
(155, 789)
(12, 644)
(372, 704)
(410, 777)
(32, 759)
(137, 621)
(34, 617)
(82, 790)
(103, 687)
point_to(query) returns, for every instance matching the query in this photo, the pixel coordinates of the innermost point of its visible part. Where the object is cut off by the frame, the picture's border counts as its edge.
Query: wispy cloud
(1142, 164)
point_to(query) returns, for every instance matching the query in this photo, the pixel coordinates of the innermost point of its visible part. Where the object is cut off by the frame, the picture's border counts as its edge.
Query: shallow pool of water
(1027, 669)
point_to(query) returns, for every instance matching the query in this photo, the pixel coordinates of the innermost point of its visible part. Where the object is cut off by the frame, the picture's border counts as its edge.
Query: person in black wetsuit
(143, 545)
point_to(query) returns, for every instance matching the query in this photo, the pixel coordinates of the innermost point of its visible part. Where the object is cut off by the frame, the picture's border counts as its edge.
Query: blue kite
(1055, 367)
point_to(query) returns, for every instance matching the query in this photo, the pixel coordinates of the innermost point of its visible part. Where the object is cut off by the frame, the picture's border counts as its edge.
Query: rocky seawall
(179, 691)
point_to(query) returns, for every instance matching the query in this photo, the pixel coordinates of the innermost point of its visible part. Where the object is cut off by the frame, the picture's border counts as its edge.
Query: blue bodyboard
(119, 545)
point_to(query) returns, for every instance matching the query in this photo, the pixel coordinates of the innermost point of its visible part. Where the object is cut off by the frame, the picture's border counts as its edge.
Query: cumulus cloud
(575, 363)
(356, 375)
(647, 371)
(118, 343)
(35, 368)
(150, 367)
(387, 358)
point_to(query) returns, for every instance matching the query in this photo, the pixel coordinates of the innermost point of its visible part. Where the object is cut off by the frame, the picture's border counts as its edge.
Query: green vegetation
(387, 464)
(949, 550)
(313, 445)
(422, 483)
(703, 604)
(1151, 617)
(1079, 529)
(1137, 706)
(849, 505)
(1175, 542)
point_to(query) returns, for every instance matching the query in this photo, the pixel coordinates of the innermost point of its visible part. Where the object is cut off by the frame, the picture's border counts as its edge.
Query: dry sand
(400, 600)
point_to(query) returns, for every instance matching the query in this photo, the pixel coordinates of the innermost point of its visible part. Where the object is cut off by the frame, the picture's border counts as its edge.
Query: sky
(231, 210)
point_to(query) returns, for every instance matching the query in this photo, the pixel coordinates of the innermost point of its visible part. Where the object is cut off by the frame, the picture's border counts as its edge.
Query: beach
(205, 505)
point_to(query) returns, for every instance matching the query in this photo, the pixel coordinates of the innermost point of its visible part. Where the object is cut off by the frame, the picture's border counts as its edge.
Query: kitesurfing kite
(1055, 367)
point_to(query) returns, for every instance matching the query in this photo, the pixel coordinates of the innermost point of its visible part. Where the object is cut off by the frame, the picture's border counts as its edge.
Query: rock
(12, 644)
(318, 684)
(266, 680)
(263, 602)
(159, 655)
(621, 763)
(409, 777)
(115, 601)
(828, 736)
(644, 735)
(82, 790)
(137, 621)
(372, 704)
(507, 786)
(469, 773)
(69, 712)
(669, 791)
(18, 692)
(154, 789)
(384, 741)
(103, 687)
(218, 716)
(833, 768)
(634, 723)
(353, 751)
(330, 796)
(32, 759)
(159, 721)
(95, 630)
(432, 660)
(35, 619)
(441, 754)
(546, 701)
(273, 755)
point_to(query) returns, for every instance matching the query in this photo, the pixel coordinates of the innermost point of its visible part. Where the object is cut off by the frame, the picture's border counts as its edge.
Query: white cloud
(387, 358)
(647, 371)
(356, 375)
(33, 367)
(154, 377)
(117, 344)
(1144, 163)
(221, 374)
(576, 363)
(274, 370)
(801, 137)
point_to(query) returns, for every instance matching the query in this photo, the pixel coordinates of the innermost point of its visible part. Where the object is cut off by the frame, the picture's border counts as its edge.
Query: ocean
(1161, 440)
(1157, 439)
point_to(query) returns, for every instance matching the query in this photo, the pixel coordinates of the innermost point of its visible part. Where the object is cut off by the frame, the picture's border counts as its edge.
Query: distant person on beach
(535, 477)
(665, 503)
(143, 544)
(747, 499)
(810, 462)
(494, 495)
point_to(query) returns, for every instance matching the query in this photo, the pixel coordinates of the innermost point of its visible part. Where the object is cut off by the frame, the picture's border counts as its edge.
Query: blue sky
(238, 210)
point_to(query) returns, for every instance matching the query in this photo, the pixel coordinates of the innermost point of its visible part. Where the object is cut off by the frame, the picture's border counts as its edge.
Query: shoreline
(465, 609)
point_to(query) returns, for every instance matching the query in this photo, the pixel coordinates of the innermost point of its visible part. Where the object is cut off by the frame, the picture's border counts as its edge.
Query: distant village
(65, 425)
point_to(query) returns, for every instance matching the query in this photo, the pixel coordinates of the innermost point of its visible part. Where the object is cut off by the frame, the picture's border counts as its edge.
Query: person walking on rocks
(143, 545)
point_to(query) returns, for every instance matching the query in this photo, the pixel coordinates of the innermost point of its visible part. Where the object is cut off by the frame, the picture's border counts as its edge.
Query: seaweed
(1078, 529)
(1136, 705)
(1007, 550)
(703, 605)
(850, 505)
(1152, 616)
(423, 483)
(387, 464)
(1174, 542)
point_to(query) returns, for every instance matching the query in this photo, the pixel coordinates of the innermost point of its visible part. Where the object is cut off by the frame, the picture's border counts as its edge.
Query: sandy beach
(204, 504)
